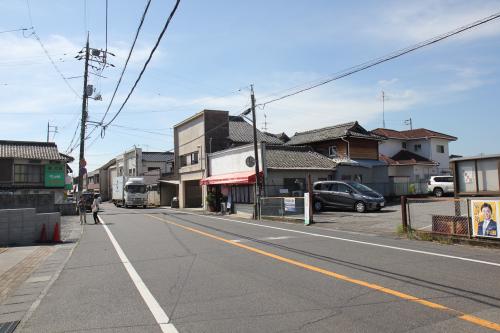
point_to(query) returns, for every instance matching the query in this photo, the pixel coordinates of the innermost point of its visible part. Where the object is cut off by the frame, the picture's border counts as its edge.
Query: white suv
(439, 185)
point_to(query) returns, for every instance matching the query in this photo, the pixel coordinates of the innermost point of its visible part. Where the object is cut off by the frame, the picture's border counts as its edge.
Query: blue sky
(213, 50)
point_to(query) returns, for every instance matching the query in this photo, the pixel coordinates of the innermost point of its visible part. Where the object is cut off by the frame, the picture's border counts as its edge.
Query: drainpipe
(348, 147)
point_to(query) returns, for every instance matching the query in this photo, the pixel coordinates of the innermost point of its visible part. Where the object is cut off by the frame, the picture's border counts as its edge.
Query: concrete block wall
(24, 226)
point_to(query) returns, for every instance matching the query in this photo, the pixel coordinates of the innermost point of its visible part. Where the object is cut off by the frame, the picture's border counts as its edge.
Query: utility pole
(97, 60)
(82, 163)
(256, 152)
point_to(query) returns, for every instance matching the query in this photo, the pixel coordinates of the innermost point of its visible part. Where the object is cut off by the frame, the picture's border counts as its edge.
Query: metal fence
(446, 216)
(282, 207)
(385, 188)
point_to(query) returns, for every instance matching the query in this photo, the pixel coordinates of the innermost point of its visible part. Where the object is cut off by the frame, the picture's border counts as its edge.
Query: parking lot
(388, 219)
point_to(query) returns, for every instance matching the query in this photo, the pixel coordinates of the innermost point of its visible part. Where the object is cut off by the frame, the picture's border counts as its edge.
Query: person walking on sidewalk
(95, 208)
(81, 210)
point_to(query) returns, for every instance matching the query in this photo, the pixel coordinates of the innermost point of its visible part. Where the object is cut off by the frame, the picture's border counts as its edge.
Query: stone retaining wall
(24, 226)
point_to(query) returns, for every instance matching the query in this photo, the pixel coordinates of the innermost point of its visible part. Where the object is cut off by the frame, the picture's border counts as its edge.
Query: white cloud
(334, 105)
(419, 20)
(386, 83)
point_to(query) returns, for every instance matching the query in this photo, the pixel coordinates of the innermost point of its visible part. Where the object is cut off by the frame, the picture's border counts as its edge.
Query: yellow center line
(469, 318)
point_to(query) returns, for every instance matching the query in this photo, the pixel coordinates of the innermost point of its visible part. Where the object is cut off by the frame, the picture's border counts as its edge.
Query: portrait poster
(485, 216)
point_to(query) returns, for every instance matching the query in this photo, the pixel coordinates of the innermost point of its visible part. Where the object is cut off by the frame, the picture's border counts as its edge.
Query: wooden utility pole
(82, 163)
(256, 152)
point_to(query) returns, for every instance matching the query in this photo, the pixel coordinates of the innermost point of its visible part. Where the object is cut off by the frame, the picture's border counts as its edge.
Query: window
(189, 159)
(6, 170)
(403, 145)
(28, 173)
(294, 184)
(343, 188)
(440, 149)
(417, 147)
(194, 158)
(120, 171)
(242, 194)
(183, 160)
(153, 168)
(332, 151)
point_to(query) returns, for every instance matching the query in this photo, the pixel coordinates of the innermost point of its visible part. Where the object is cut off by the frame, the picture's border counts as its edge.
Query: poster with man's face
(485, 215)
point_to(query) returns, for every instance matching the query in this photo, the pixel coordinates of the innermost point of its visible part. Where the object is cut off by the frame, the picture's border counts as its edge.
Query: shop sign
(54, 175)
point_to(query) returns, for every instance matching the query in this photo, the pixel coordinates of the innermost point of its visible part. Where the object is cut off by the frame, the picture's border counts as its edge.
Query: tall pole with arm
(81, 163)
(256, 152)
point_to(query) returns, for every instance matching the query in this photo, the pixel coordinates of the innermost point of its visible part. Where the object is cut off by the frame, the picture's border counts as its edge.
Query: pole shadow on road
(452, 291)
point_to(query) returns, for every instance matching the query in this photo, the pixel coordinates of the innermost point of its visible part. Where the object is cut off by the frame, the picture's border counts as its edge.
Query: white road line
(351, 240)
(153, 305)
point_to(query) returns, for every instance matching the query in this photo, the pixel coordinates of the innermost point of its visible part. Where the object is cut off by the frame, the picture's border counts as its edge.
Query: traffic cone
(43, 235)
(56, 238)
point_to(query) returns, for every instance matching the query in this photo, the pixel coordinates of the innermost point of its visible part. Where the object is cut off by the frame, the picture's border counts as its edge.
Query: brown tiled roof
(389, 133)
(405, 157)
(419, 133)
(296, 157)
(30, 150)
(332, 132)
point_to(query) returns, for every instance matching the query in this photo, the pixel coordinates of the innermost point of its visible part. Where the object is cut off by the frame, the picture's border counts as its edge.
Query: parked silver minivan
(347, 195)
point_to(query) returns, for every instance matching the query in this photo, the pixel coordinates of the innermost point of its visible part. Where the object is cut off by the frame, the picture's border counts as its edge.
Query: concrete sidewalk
(27, 272)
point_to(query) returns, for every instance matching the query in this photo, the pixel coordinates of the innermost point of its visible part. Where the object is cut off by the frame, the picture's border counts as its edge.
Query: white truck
(129, 192)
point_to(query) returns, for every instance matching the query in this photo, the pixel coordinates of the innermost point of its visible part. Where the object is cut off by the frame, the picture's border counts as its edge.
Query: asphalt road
(169, 271)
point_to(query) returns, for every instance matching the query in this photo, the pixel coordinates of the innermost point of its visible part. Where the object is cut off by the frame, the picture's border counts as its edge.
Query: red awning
(246, 177)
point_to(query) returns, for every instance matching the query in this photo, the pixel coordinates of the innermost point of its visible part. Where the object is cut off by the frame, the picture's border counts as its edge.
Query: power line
(128, 58)
(14, 30)
(74, 136)
(141, 130)
(167, 23)
(391, 56)
(53, 63)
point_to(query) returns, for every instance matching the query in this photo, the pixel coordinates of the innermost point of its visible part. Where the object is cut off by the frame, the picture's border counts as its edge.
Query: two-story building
(132, 163)
(416, 154)
(28, 168)
(354, 150)
(206, 132)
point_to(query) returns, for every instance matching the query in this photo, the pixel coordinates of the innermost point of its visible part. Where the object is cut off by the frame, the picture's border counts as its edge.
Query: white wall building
(431, 148)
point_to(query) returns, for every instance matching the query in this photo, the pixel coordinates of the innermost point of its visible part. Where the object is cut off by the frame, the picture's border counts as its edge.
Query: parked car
(440, 185)
(347, 195)
(89, 198)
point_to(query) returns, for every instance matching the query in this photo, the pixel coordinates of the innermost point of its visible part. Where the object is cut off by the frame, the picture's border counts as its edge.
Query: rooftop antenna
(383, 109)
(409, 122)
(265, 123)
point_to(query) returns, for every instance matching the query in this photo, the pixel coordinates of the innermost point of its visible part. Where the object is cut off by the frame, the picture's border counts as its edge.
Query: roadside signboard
(290, 205)
(485, 216)
(54, 175)
(307, 218)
